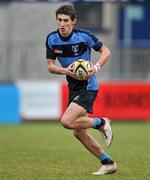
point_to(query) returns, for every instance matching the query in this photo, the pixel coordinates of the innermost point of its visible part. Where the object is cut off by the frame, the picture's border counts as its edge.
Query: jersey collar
(65, 38)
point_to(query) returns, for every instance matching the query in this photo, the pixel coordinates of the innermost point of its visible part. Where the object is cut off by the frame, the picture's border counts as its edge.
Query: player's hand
(96, 67)
(69, 72)
(91, 72)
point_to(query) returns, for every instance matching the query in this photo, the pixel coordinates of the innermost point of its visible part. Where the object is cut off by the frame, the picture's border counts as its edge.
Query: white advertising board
(40, 100)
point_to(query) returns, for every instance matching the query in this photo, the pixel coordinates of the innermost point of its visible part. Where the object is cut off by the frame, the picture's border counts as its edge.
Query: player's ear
(74, 21)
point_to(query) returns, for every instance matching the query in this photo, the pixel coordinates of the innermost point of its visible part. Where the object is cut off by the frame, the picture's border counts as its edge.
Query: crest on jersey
(75, 49)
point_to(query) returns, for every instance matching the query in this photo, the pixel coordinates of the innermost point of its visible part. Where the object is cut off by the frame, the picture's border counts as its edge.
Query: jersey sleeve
(94, 42)
(49, 51)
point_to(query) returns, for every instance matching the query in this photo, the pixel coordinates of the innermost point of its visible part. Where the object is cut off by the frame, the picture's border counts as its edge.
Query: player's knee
(66, 124)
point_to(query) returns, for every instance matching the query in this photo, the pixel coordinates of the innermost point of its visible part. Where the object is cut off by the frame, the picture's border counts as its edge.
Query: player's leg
(75, 117)
(72, 120)
(108, 165)
(73, 113)
(88, 141)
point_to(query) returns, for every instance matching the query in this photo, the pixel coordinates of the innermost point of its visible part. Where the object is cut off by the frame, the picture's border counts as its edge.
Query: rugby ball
(82, 67)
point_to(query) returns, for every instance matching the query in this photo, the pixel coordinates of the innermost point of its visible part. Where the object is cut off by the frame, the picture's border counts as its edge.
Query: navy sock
(98, 123)
(105, 159)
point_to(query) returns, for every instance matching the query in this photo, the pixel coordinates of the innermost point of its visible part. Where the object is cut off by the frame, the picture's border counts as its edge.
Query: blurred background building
(124, 26)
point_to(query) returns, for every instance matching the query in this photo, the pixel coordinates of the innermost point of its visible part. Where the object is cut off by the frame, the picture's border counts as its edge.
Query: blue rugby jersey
(69, 49)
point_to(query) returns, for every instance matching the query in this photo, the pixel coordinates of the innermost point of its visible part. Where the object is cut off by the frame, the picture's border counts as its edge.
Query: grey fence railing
(26, 60)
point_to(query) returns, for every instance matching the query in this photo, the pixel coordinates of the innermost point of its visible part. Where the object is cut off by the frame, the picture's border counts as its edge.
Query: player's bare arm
(104, 56)
(53, 68)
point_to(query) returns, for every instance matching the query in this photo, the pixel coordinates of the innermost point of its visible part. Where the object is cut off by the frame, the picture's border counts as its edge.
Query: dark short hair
(67, 10)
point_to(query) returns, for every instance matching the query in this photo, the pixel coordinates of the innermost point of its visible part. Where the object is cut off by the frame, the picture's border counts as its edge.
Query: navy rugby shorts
(84, 98)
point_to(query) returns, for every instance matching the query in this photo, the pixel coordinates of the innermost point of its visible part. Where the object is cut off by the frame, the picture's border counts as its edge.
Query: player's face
(65, 24)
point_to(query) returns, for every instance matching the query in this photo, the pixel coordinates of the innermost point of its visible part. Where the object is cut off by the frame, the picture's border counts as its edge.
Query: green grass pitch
(36, 151)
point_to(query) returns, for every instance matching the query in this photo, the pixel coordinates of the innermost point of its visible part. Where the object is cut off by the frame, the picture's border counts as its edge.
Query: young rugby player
(68, 44)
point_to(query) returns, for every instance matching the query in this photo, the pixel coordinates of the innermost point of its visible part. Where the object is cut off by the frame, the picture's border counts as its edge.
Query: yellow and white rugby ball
(82, 67)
